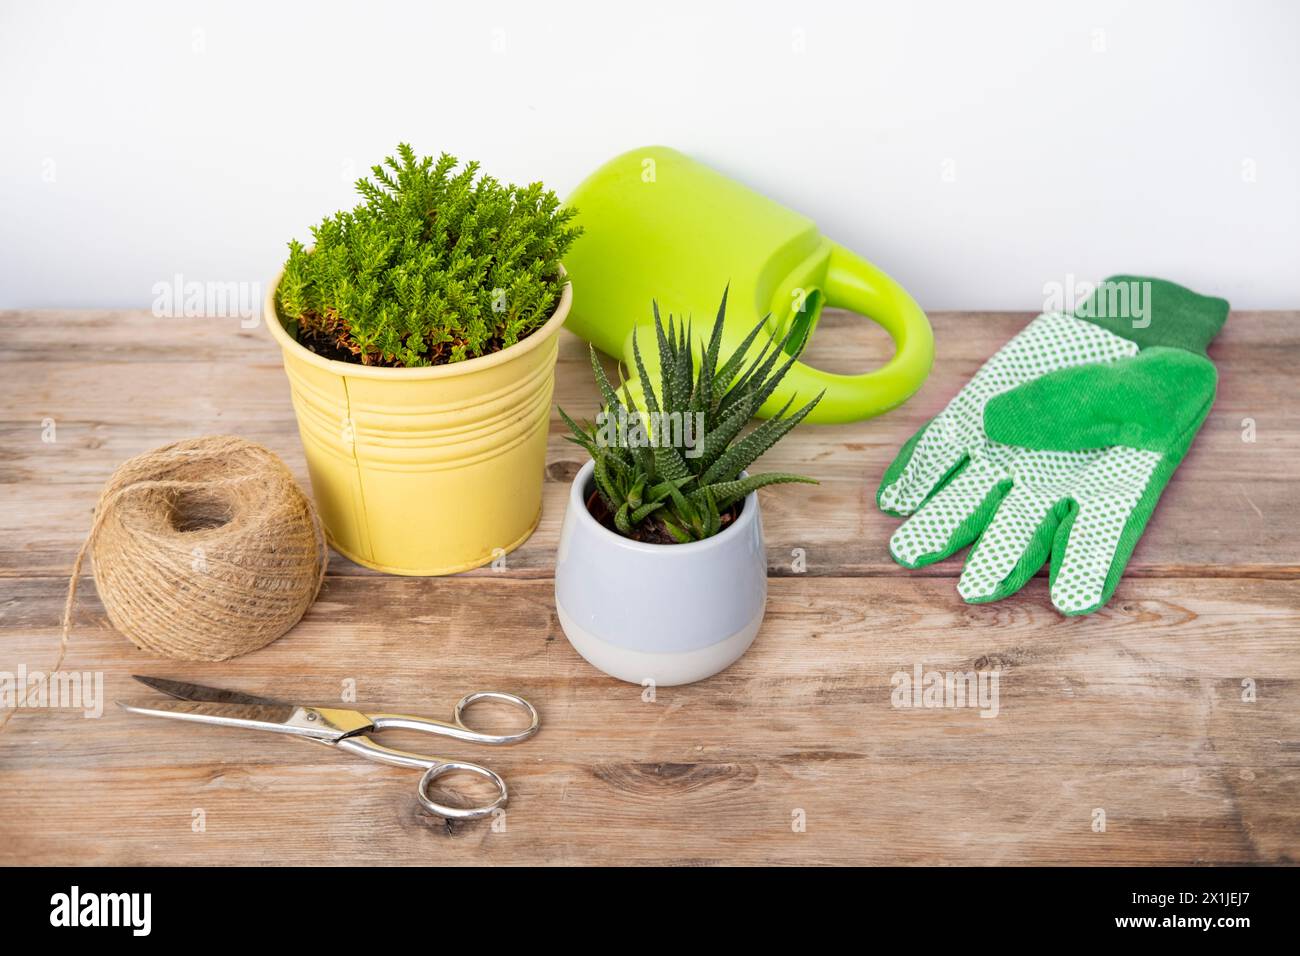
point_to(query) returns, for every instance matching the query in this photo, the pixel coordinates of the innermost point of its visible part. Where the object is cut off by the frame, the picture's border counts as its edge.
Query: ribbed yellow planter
(426, 470)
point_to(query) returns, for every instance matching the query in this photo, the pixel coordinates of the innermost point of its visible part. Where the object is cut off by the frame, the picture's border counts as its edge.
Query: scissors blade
(318, 723)
(183, 690)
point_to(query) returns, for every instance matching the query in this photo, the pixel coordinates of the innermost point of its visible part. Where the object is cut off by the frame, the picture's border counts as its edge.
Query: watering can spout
(662, 227)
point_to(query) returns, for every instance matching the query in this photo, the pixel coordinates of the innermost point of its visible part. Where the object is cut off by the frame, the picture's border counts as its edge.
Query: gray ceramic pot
(668, 613)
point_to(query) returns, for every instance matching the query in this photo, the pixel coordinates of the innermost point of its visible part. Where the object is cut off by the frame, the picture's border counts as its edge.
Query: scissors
(346, 729)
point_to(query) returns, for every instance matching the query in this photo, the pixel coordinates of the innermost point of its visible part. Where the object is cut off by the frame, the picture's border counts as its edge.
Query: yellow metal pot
(426, 470)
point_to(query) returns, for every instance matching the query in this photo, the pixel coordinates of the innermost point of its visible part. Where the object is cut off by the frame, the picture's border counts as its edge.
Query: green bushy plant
(655, 491)
(433, 266)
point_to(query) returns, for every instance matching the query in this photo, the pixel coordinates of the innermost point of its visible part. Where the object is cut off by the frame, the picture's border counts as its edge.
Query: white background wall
(975, 151)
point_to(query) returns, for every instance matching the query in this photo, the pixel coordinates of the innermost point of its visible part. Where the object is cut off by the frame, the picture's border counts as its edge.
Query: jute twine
(203, 550)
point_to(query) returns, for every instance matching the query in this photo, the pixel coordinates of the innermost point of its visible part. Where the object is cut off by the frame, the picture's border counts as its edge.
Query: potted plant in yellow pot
(419, 334)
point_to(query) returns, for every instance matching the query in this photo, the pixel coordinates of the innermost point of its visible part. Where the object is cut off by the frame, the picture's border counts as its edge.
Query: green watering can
(661, 226)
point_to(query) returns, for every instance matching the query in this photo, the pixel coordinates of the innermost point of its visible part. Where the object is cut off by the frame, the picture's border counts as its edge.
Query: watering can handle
(855, 284)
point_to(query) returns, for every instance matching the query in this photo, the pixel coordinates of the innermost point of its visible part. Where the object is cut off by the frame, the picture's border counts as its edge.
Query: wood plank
(1136, 710)
(229, 379)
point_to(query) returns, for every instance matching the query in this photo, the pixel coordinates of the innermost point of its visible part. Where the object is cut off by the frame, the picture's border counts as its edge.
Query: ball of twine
(204, 549)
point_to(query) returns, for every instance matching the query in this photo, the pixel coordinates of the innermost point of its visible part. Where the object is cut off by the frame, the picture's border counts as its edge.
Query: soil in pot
(326, 348)
(336, 348)
(651, 531)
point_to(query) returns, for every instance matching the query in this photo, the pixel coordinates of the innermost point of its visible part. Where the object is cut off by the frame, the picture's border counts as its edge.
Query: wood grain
(1142, 711)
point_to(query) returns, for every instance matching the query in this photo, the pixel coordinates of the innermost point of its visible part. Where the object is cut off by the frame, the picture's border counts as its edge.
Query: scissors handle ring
(460, 813)
(534, 721)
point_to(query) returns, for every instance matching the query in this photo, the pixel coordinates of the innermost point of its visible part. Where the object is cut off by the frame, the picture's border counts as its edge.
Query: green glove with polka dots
(1060, 445)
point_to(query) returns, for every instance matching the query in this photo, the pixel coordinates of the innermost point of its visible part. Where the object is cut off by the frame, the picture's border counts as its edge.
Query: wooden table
(1138, 712)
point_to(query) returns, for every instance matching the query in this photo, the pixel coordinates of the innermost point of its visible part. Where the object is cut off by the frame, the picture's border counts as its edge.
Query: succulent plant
(657, 491)
(434, 266)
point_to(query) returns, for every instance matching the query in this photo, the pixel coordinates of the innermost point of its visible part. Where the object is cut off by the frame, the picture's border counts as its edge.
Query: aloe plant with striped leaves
(653, 489)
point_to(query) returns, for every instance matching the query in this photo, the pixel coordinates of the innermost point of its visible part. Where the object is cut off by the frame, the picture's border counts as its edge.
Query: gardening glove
(1061, 443)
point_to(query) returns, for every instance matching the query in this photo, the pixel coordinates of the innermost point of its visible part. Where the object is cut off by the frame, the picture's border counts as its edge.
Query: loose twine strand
(203, 550)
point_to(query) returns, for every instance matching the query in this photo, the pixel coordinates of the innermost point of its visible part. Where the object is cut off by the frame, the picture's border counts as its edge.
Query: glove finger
(1012, 548)
(1094, 542)
(952, 519)
(921, 467)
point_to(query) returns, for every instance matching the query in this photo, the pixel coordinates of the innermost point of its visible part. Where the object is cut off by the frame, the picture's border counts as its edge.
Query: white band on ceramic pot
(665, 670)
